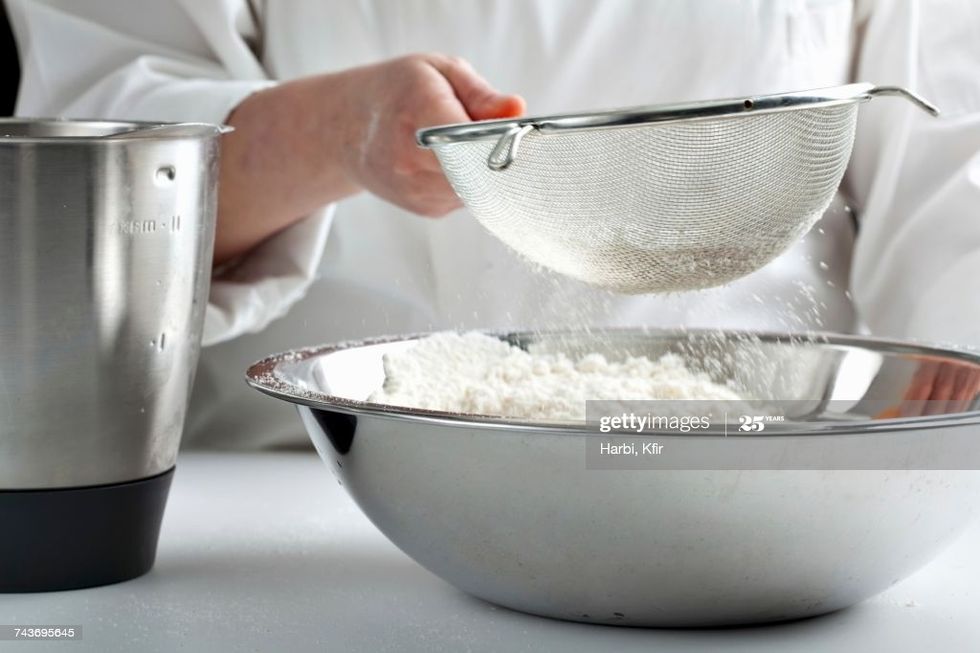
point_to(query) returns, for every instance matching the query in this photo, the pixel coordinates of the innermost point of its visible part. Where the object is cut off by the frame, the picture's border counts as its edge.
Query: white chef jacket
(364, 267)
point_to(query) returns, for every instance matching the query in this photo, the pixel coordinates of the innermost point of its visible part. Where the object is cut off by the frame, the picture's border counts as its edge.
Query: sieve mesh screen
(665, 206)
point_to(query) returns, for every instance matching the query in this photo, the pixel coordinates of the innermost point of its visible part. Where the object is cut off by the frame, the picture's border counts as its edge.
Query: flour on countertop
(477, 374)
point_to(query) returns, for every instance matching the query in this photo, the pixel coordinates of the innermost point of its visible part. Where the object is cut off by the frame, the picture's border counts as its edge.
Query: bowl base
(672, 622)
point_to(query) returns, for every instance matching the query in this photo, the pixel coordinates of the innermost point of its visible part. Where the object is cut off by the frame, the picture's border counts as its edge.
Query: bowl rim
(258, 376)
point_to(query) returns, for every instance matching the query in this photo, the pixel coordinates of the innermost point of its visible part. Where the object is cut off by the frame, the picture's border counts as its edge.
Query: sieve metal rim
(662, 113)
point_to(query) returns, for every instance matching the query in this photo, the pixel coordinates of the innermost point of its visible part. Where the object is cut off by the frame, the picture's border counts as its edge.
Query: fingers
(942, 390)
(939, 388)
(438, 199)
(892, 412)
(964, 389)
(478, 97)
(424, 193)
(510, 106)
(407, 94)
(920, 389)
(967, 384)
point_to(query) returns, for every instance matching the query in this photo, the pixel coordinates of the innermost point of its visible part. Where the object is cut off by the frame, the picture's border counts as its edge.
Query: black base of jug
(69, 538)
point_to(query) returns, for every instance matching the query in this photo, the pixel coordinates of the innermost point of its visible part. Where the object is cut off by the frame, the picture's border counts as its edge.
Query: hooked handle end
(915, 98)
(505, 151)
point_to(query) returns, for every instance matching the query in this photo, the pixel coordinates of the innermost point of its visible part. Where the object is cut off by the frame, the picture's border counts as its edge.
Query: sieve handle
(505, 151)
(913, 97)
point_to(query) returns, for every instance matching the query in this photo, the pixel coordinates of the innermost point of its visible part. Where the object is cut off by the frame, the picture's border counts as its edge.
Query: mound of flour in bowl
(478, 374)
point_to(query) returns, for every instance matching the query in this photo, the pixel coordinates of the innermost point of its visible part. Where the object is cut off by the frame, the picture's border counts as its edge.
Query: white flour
(477, 374)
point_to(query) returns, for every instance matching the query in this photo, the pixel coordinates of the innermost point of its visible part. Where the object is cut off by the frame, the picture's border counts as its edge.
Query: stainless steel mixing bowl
(512, 512)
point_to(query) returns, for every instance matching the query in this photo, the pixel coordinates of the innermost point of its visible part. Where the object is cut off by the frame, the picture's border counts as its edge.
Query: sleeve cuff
(267, 281)
(163, 94)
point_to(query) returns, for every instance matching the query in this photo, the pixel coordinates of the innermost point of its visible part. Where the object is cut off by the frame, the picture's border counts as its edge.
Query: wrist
(324, 126)
(280, 164)
(345, 125)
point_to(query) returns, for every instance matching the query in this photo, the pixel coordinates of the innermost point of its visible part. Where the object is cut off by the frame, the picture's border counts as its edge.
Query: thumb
(478, 97)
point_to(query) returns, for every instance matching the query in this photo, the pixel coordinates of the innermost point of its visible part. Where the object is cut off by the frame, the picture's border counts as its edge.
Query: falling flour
(478, 374)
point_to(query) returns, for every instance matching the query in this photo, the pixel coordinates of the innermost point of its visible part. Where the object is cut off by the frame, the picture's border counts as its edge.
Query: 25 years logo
(757, 423)
(751, 423)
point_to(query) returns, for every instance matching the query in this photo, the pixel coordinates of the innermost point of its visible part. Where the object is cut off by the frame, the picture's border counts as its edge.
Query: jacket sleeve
(915, 179)
(170, 61)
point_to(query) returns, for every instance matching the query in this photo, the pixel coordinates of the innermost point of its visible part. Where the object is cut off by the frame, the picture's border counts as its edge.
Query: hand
(937, 388)
(392, 101)
(940, 387)
(308, 142)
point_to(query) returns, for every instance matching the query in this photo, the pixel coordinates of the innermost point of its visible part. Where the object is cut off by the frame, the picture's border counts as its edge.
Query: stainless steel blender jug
(106, 235)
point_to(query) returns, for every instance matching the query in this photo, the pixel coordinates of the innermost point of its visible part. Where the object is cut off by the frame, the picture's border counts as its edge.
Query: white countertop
(265, 552)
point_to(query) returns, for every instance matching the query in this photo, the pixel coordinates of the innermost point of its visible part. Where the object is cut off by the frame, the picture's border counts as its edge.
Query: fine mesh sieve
(661, 198)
